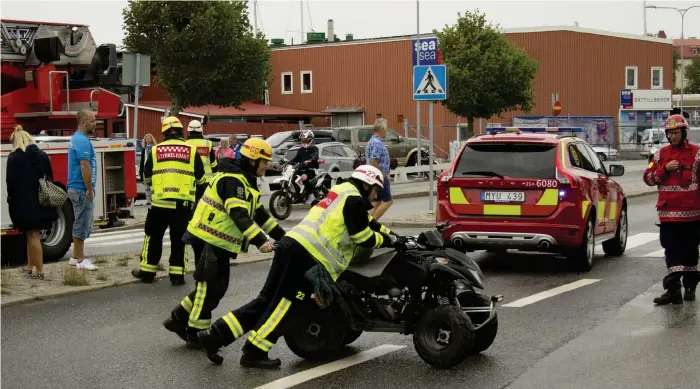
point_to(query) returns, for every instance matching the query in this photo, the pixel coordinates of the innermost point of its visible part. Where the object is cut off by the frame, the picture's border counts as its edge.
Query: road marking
(115, 239)
(122, 232)
(318, 371)
(549, 293)
(657, 254)
(166, 242)
(633, 241)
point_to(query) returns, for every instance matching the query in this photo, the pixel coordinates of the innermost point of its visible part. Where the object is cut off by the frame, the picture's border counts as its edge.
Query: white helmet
(194, 126)
(370, 175)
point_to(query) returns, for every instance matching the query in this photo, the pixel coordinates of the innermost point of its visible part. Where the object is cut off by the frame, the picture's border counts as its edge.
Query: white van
(655, 138)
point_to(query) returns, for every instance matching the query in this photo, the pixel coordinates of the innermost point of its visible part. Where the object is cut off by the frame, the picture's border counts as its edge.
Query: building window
(631, 77)
(306, 86)
(287, 84)
(657, 77)
(696, 51)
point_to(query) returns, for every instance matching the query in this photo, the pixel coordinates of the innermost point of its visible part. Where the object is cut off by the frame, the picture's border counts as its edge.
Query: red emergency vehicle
(50, 71)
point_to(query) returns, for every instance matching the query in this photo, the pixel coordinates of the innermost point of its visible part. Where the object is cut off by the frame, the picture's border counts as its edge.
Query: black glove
(322, 281)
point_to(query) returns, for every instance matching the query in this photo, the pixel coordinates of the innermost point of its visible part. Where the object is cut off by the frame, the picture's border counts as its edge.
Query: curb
(30, 299)
(432, 224)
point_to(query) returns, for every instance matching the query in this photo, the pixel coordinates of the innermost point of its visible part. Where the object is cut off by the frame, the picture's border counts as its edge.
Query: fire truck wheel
(57, 240)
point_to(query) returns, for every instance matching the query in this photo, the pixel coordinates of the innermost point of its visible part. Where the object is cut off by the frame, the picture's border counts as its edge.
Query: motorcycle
(420, 288)
(291, 185)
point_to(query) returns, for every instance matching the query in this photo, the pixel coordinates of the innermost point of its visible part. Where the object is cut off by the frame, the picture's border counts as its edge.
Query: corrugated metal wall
(149, 123)
(587, 70)
(153, 92)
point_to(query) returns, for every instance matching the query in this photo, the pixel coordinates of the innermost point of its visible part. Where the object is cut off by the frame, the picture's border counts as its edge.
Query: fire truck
(50, 71)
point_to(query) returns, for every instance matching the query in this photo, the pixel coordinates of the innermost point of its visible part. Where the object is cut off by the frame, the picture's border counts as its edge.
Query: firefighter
(307, 260)
(205, 149)
(675, 171)
(173, 169)
(224, 223)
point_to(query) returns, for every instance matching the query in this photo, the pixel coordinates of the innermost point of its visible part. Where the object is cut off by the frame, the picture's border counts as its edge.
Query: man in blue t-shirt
(82, 179)
(377, 155)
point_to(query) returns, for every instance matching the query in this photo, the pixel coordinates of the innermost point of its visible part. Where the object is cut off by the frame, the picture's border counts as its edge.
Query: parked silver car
(332, 156)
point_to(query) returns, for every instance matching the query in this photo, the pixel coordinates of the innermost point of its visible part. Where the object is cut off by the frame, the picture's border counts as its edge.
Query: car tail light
(321, 161)
(445, 177)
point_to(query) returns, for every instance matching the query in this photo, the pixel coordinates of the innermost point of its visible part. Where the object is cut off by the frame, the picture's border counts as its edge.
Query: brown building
(357, 80)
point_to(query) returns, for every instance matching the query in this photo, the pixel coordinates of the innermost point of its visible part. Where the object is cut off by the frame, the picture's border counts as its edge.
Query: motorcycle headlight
(461, 285)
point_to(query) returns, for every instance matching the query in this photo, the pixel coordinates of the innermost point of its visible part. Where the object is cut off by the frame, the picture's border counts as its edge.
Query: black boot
(192, 339)
(258, 359)
(175, 325)
(145, 277)
(210, 342)
(689, 294)
(670, 297)
(177, 280)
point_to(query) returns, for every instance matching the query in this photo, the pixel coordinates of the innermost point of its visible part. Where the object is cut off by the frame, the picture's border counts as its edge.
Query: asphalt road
(113, 338)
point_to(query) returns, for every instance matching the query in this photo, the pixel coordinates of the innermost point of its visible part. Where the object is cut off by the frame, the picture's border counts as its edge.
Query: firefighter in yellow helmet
(173, 168)
(225, 222)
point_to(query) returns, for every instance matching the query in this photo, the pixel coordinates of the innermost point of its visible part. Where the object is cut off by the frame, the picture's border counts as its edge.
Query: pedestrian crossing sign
(430, 82)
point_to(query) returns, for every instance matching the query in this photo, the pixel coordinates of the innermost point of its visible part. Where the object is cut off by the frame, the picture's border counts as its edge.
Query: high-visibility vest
(213, 224)
(323, 232)
(204, 148)
(173, 173)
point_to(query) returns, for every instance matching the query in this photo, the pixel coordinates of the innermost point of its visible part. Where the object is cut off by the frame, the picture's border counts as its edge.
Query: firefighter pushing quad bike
(421, 288)
(50, 71)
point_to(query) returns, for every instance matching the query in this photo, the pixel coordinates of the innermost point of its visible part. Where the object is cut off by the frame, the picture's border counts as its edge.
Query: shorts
(83, 211)
(385, 194)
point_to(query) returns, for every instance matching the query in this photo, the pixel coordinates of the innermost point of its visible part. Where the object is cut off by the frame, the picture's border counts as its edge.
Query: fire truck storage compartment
(115, 183)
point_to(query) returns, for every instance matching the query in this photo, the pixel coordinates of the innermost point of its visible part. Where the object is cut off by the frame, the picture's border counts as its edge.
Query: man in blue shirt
(377, 155)
(82, 179)
(235, 145)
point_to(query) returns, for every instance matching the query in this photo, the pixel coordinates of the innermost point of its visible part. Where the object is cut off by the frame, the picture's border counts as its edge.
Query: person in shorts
(377, 155)
(82, 179)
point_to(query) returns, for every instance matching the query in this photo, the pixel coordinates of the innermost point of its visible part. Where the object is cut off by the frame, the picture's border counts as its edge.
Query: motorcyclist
(225, 222)
(307, 261)
(307, 156)
(675, 171)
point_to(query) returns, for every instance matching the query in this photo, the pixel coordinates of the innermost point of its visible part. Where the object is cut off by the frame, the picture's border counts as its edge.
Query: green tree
(692, 75)
(487, 74)
(204, 52)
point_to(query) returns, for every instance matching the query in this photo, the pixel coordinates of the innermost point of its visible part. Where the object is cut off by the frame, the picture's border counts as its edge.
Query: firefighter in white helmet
(205, 149)
(308, 259)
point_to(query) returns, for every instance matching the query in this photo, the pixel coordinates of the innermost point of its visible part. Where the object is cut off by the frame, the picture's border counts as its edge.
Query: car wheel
(583, 257)
(603, 157)
(616, 246)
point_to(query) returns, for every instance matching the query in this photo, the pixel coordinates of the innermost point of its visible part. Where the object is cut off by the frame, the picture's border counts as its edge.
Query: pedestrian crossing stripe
(430, 85)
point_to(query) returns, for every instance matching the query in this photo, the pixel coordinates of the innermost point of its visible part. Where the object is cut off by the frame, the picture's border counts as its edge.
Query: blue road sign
(430, 82)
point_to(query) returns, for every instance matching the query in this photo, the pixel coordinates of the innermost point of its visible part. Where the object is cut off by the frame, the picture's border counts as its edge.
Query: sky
(368, 19)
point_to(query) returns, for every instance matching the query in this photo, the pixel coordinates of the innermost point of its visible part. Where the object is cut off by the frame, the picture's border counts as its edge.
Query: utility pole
(644, 4)
(301, 9)
(419, 152)
(255, 16)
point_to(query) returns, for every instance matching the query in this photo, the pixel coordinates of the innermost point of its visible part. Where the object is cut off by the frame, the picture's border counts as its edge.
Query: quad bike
(291, 190)
(419, 288)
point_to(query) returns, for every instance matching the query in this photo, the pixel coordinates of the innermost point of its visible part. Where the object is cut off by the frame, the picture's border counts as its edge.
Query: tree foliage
(487, 75)
(204, 52)
(692, 75)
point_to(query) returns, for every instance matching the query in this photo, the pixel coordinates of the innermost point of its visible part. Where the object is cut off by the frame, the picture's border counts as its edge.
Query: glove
(390, 240)
(321, 281)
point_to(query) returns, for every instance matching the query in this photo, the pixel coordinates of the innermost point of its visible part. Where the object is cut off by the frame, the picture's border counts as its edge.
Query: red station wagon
(533, 189)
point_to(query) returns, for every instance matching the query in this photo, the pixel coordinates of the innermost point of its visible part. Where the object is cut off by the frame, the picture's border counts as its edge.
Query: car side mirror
(616, 170)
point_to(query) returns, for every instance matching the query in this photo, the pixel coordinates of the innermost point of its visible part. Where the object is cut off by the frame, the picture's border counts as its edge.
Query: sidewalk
(642, 346)
(62, 279)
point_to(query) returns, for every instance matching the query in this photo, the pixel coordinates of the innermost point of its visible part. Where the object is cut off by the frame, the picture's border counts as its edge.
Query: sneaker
(86, 265)
(73, 261)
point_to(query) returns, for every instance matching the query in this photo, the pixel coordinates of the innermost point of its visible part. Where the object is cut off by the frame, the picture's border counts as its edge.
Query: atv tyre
(315, 335)
(351, 336)
(484, 336)
(444, 337)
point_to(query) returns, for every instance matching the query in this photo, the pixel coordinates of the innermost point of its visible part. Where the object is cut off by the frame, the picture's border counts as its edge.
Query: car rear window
(516, 160)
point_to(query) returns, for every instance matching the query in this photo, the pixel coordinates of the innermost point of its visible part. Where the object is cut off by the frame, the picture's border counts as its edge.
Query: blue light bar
(535, 129)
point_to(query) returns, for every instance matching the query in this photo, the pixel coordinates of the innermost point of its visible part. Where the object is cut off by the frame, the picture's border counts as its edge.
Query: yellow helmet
(170, 122)
(256, 148)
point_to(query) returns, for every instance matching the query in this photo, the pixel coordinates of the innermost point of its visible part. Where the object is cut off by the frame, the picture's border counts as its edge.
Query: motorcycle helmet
(306, 138)
(252, 152)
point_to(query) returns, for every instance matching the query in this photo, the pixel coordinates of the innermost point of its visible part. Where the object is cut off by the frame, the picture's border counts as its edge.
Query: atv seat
(370, 263)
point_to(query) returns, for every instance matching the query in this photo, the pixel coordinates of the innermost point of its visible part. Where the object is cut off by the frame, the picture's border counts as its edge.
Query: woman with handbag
(29, 178)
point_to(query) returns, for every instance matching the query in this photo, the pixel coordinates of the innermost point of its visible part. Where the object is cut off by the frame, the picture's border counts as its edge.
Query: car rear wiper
(483, 173)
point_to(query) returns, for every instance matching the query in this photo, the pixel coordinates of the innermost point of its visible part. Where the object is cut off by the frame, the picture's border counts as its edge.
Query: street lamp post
(681, 11)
